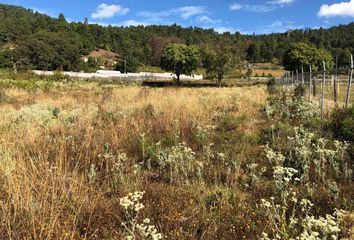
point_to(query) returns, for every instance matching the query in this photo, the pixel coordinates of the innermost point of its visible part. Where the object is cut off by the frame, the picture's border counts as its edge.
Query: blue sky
(246, 16)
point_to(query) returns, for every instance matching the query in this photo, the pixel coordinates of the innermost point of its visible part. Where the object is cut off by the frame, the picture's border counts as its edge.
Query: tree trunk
(178, 78)
(220, 77)
(219, 82)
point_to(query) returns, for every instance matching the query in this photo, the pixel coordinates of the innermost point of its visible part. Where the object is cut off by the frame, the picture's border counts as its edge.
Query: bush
(299, 91)
(342, 124)
(271, 86)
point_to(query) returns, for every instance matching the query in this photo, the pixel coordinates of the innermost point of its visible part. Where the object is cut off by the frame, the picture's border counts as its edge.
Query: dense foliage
(24, 32)
(218, 62)
(180, 59)
(343, 124)
(303, 55)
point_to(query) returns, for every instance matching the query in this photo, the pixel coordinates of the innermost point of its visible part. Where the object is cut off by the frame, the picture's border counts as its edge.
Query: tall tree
(180, 58)
(218, 63)
(303, 54)
(62, 18)
(254, 52)
(35, 54)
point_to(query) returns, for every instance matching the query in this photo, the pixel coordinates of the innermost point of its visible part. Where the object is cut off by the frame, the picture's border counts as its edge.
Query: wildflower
(131, 203)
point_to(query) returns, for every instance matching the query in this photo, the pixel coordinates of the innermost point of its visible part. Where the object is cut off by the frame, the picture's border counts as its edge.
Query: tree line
(42, 42)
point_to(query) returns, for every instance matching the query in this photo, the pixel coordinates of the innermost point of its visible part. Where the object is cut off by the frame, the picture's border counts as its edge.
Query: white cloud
(126, 23)
(281, 2)
(105, 11)
(342, 9)
(225, 29)
(189, 11)
(133, 23)
(183, 12)
(261, 8)
(253, 8)
(208, 20)
(276, 24)
(235, 6)
(279, 26)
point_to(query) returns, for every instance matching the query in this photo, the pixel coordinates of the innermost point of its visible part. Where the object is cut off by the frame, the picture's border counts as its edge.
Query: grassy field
(266, 73)
(70, 152)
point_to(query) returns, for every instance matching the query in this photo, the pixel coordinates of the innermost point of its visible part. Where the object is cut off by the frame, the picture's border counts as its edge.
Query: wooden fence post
(323, 89)
(292, 77)
(310, 82)
(335, 96)
(314, 84)
(350, 81)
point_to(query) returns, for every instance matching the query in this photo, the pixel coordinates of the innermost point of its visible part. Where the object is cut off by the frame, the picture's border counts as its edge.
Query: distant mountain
(42, 42)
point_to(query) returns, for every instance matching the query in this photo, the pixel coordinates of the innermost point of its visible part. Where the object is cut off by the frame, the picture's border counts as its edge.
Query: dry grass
(68, 153)
(266, 73)
(50, 141)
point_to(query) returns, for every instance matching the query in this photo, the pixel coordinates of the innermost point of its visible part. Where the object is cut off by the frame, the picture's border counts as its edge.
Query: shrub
(134, 227)
(288, 216)
(299, 91)
(271, 86)
(286, 106)
(342, 124)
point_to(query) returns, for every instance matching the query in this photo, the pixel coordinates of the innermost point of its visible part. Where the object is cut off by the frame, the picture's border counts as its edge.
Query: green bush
(271, 86)
(299, 91)
(342, 124)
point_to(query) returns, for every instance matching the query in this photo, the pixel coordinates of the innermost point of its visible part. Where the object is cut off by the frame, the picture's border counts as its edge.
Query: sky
(245, 16)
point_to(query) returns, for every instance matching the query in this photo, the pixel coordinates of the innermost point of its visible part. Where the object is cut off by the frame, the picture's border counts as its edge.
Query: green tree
(343, 57)
(35, 53)
(180, 58)
(303, 54)
(218, 63)
(62, 18)
(6, 58)
(254, 52)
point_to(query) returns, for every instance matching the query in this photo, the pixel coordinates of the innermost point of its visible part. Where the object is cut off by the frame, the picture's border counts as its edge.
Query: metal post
(350, 81)
(302, 76)
(297, 77)
(323, 89)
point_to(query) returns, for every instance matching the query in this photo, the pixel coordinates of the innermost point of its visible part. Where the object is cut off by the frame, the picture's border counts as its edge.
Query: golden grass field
(70, 152)
(45, 159)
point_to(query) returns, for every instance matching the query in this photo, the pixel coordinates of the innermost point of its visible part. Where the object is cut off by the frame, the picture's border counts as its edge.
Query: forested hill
(39, 41)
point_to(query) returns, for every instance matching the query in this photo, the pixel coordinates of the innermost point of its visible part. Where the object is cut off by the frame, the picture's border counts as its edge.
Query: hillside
(49, 43)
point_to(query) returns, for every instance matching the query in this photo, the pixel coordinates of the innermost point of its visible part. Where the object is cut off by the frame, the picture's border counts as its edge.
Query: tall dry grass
(70, 152)
(58, 149)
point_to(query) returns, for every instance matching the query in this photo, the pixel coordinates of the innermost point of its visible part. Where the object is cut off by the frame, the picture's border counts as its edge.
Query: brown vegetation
(70, 152)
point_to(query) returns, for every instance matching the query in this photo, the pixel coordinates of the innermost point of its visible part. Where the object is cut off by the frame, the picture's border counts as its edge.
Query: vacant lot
(207, 159)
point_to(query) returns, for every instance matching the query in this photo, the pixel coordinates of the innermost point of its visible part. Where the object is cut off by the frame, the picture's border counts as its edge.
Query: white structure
(117, 74)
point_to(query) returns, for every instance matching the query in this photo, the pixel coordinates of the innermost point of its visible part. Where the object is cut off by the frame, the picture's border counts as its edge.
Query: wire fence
(329, 86)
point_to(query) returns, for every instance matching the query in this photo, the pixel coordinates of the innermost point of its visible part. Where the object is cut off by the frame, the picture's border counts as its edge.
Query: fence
(335, 84)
